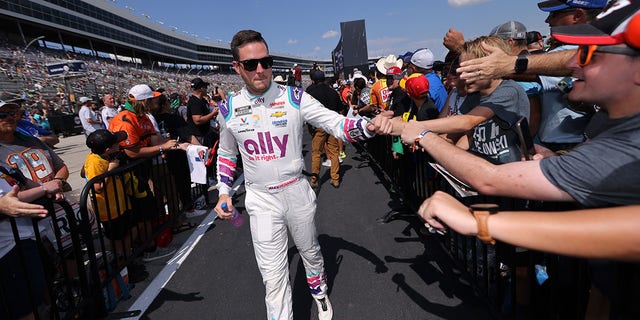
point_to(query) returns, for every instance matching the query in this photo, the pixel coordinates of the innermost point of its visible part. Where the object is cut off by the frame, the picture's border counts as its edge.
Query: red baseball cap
(417, 86)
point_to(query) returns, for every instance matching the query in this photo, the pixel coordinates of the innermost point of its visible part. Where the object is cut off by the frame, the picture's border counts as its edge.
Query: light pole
(24, 51)
(31, 42)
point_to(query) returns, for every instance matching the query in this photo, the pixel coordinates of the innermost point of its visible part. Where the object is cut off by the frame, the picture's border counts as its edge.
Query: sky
(311, 29)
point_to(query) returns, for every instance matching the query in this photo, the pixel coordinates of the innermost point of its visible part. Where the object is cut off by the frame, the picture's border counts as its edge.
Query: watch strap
(481, 213)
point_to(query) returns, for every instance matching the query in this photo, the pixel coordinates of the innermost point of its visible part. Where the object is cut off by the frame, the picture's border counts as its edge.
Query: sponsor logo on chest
(266, 147)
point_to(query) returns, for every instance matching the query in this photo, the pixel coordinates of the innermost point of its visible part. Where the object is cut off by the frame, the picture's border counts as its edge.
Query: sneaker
(325, 311)
(342, 155)
(194, 213)
(200, 203)
(327, 163)
(159, 253)
(340, 160)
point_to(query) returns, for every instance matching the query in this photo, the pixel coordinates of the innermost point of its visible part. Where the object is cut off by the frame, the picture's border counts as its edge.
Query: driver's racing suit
(267, 132)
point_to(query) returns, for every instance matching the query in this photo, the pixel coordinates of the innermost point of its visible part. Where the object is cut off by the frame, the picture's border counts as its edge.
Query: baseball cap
(101, 139)
(423, 58)
(317, 75)
(278, 79)
(84, 100)
(613, 26)
(556, 5)
(406, 57)
(510, 30)
(9, 104)
(534, 36)
(396, 72)
(142, 92)
(197, 83)
(417, 86)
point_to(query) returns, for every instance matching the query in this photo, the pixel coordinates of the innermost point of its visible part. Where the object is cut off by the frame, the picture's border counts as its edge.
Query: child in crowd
(111, 202)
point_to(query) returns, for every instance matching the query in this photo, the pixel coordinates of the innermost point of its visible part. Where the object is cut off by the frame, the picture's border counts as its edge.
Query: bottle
(163, 131)
(236, 218)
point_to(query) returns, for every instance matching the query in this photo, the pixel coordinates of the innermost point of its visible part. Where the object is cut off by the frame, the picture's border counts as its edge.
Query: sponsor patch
(247, 130)
(279, 114)
(259, 100)
(354, 133)
(241, 111)
(276, 104)
(282, 123)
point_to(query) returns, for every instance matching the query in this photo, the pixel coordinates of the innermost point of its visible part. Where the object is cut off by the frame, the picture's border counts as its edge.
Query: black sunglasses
(4, 115)
(252, 64)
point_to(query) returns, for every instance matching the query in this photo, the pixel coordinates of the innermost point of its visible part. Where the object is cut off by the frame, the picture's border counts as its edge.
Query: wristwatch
(522, 62)
(481, 212)
(63, 180)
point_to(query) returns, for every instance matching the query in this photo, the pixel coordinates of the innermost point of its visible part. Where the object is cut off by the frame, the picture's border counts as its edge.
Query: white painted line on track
(154, 288)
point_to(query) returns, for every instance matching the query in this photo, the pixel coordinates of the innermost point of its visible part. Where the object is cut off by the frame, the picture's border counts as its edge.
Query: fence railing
(76, 260)
(517, 283)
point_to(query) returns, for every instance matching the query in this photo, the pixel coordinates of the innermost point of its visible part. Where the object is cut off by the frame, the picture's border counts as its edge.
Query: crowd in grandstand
(478, 114)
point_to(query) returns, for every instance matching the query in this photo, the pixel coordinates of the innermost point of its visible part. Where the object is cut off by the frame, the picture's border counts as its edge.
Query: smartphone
(524, 135)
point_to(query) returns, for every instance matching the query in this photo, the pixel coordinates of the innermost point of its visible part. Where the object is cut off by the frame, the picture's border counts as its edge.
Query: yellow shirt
(95, 165)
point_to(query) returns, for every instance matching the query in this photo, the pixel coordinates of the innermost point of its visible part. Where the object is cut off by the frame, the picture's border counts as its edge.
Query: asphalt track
(375, 270)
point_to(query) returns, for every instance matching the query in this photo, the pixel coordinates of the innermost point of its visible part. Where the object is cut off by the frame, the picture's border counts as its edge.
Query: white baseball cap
(142, 92)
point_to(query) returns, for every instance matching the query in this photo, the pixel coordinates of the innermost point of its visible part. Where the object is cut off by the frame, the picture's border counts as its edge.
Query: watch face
(521, 64)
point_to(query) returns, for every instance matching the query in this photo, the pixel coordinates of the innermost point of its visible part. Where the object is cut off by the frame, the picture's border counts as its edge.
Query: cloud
(330, 34)
(462, 3)
(316, 48)
(292, 41)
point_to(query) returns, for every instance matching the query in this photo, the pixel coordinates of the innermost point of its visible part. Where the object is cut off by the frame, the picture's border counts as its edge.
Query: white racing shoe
(325, 311)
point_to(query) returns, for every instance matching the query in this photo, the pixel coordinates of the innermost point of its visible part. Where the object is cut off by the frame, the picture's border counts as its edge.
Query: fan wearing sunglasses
(604, 170)
(263, 122)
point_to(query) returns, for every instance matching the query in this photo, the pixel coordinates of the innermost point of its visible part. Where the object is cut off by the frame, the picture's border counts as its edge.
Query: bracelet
(416, 142)
(161, 152)
(482, 212)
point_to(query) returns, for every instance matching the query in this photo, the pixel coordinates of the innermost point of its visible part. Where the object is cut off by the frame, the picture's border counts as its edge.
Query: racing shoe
(325, 311)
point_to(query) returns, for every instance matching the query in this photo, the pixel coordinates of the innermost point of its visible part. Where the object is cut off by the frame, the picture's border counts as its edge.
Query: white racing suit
(267, 132)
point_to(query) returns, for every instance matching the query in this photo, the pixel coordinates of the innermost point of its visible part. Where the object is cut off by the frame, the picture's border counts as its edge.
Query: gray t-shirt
(496, 139)
(35, 159)
(603, 171)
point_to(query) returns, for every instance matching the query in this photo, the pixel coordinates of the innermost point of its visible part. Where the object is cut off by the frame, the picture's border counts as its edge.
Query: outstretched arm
(522, 179)
(499, 64)
(608, 233)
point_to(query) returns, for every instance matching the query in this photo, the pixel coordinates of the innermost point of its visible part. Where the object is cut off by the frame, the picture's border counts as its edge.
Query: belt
(275, 187)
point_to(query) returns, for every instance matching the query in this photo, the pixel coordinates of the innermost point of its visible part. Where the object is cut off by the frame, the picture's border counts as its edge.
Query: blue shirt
(436, 90)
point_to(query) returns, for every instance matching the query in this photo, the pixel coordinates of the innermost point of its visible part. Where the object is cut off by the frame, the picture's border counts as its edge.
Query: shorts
(117, 228)
(16, 303)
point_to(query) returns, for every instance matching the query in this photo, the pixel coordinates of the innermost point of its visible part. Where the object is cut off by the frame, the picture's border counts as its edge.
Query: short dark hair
(243, 37)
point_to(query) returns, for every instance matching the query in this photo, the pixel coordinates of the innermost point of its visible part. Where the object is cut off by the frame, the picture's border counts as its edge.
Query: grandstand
(120, 49)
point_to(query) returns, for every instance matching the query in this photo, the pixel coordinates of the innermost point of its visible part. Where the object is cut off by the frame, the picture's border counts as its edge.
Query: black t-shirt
(427, 111)
(175, 126)
(327, 96)
(197, 106)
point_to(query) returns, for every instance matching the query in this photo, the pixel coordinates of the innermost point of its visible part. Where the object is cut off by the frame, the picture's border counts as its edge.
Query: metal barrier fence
(511, 279)
(76, 260)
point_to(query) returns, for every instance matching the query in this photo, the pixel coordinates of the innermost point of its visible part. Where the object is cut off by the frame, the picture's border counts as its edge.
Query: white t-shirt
(86, 113)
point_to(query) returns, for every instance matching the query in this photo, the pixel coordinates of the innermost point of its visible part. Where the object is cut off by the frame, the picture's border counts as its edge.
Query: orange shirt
(380, 94)
(139, 130)
(346, 94)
